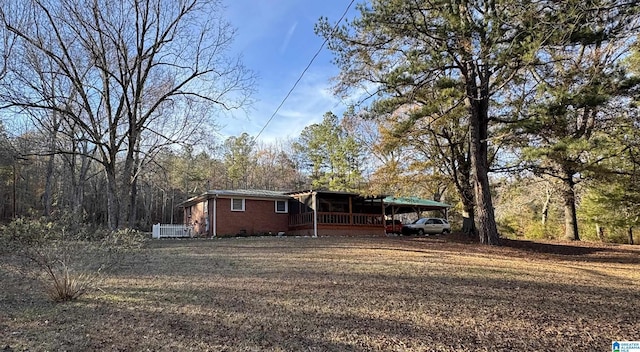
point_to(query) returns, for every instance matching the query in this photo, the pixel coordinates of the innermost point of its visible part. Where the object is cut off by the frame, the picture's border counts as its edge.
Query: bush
(537, 231)
(65, 255)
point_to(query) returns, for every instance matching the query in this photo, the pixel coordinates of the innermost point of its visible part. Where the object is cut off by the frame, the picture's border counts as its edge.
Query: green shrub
(67, 256)
(537, 231)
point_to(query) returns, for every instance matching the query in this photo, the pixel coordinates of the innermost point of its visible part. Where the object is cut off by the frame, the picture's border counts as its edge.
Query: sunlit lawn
(340, 294)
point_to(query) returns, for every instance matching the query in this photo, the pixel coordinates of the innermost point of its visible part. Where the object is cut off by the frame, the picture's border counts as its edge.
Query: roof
(240, 193)
(326, 192)
(415, 201)
(252, 193)
(320, 191)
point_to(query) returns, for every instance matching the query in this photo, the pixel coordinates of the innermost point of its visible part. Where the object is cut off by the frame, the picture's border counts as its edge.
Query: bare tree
(140, 75)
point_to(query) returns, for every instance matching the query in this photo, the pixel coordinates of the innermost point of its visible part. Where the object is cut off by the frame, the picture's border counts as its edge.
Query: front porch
(338, 213)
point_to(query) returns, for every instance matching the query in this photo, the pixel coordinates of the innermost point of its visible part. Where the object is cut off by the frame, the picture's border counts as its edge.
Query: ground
(439, 293)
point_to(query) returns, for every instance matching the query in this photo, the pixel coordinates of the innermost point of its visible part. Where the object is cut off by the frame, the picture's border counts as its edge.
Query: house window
(237, 204)
(205, 207)
(282, 206)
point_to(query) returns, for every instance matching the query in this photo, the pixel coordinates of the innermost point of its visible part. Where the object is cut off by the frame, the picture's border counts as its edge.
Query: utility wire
(335, 27)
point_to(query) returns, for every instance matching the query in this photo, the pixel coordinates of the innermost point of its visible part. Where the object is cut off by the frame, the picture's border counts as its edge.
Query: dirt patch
(437, 293)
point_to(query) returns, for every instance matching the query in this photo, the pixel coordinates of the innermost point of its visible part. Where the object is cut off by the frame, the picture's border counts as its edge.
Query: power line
(335, 27)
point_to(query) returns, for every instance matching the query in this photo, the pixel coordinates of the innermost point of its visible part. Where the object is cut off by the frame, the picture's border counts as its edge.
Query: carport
(403, 205)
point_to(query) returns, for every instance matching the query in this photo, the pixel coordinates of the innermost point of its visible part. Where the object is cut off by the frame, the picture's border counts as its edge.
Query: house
(304, 213)
(237, 212)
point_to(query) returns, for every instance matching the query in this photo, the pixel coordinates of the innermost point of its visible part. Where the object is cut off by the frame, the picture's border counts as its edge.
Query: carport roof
(425, 204)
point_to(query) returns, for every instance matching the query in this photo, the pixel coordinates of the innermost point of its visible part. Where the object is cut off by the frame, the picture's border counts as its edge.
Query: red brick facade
(259, 217)
(195, 216)
(214, 217)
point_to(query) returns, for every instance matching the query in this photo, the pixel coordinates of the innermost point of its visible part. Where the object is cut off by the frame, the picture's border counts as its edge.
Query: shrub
(65, 255)
(537, 231)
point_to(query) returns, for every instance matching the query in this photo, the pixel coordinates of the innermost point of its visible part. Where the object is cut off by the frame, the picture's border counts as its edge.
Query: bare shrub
(65, 255)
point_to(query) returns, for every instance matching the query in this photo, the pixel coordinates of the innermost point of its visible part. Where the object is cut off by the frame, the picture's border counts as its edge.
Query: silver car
(427, 225)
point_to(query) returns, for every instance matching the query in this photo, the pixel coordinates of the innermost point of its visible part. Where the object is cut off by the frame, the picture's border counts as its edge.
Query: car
(393, 226)
(427, 226)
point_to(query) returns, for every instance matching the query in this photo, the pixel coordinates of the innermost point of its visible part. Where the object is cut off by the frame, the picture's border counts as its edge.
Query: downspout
(315, 214)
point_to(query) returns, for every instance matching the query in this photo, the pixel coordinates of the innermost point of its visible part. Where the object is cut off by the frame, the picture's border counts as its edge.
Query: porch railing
(327, 218)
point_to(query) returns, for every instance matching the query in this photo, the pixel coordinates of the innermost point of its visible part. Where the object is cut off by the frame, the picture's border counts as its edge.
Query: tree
(571, 123)
(434, 127)
(136, 76)
(407, 47)
(275, 168)
(332, 154)
(239, 159)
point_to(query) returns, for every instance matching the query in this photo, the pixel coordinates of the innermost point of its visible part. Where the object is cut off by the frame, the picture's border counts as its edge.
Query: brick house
(237, 212)
(220, 213)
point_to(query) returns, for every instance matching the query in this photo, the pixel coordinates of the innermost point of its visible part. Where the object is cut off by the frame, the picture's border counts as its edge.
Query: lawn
(340, 294)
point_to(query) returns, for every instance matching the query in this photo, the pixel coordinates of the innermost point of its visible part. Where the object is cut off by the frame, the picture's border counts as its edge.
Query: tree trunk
(113, 205)
(570, 216)
(46, 197)
(630, 232)
(484, 220)
(600, 232)
(468, 223)
(545, 207)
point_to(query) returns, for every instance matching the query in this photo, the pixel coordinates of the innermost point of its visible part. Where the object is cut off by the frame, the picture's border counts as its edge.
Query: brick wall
(197, 218)
(258, 217)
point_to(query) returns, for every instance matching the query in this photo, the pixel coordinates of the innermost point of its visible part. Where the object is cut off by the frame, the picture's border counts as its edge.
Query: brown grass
(341, 294)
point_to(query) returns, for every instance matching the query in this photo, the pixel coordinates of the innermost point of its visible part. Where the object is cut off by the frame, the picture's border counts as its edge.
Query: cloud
(307, 104)
(287, 38)
(277, 41)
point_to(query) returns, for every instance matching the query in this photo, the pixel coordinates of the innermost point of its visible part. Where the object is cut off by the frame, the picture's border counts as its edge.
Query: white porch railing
(163, 230)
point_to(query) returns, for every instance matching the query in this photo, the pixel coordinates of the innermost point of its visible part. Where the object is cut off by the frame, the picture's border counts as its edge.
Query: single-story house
(237, 212)
(305, 213)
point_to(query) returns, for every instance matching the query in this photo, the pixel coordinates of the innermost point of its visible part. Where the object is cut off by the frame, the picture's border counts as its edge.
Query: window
(205, 207)
(281, 206)
(237, 204)
(437, 221)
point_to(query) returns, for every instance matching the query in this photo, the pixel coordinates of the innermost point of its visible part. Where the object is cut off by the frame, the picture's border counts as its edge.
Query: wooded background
(523, 115)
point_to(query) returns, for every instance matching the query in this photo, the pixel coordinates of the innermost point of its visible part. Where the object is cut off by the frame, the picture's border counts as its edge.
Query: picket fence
(164, 230)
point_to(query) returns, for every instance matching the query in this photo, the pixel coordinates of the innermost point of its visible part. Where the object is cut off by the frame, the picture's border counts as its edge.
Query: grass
(340, 294)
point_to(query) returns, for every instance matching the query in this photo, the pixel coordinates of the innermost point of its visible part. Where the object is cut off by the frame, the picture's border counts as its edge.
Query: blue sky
(277, 41)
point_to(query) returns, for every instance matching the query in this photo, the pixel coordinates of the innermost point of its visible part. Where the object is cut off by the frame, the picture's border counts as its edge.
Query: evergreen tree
(332, 155)
(571, 122)
(406, 48)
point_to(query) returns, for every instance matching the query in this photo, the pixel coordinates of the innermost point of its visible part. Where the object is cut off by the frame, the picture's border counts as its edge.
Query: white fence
(163, 230)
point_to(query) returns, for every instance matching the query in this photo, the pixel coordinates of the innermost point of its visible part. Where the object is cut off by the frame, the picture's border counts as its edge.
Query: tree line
(37, 181)
(522, 114)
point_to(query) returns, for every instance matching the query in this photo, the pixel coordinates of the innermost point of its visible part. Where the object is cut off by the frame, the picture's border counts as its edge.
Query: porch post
(315, 214)
(393, 219)
(350, 210)
(384, 216)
